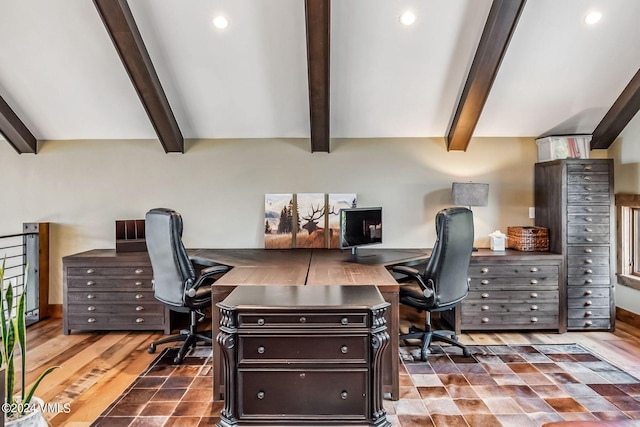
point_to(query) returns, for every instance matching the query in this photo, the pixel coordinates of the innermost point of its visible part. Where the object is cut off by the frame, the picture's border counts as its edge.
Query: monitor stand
(363, 259)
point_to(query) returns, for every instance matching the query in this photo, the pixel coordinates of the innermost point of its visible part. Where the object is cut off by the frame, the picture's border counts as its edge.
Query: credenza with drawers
(105, 290)
(512, 290)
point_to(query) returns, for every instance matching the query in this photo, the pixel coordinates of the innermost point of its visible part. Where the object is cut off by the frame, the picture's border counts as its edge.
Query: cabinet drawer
(79, 321)
(586, 302)
(590, 313)
(89, 283)
(578, 198)
(513, 297)
(588, 250)
(138, 309)
(588, 188)
(514, 283)
(588, 230)
(587, 260)
(292, 348)
(475, 308)
(588, 270)
(587, 166)
(136, 271)
(305, 320)
(511, 321)
(513, 270)
(587, 177)
(100, 297)
(589, 324)
(592, 292)
(286, 394)
(586, 219)
(577, 281)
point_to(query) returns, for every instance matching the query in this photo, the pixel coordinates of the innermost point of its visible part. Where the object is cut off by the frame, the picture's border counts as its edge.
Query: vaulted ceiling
(316, 69)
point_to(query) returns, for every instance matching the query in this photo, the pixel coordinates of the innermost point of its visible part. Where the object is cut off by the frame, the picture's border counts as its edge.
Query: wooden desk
(312, 267)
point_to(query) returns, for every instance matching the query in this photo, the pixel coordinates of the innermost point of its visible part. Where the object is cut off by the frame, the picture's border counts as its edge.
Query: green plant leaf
(37, 383)
(21, 332)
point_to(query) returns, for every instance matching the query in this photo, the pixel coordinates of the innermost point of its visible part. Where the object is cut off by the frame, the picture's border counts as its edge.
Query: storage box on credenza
(130, 235)
(563, 147)
(529, 239)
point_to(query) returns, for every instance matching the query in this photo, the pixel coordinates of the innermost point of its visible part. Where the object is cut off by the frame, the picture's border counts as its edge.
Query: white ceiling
(61, 74)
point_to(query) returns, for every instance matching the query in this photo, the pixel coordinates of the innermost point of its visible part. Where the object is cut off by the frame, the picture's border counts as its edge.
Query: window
(628, 219)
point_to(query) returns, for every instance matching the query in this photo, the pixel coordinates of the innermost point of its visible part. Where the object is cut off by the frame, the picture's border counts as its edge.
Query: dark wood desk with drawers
(303, 355)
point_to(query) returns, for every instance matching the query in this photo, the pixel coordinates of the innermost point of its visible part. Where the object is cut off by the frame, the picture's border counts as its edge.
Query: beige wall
(82, 187)
(626, 154)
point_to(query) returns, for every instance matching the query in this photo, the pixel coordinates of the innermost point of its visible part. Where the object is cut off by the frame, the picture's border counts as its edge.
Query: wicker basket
(528, 239)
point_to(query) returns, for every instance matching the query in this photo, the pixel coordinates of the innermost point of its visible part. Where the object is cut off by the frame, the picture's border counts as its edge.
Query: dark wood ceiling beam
(501, 23)
(16, 133)
(318, 18)
(618, 116)
(124, 33)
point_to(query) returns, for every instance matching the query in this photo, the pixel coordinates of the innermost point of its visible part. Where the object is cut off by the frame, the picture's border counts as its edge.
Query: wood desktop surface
(311, 267)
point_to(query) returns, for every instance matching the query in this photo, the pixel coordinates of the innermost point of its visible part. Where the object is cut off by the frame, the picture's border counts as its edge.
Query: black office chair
(175, 281)
(445, 280)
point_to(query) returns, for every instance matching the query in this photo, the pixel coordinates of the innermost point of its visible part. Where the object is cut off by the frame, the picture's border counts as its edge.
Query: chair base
(189, 338)
(429, 336)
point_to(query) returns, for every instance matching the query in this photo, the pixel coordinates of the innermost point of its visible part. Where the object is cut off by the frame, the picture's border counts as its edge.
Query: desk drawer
(101, 297)
(137, 271)
(119, 321)
(513, 297)
(289, 394)
(148, 307)
(290, 349)
(302, 320)
(498, 321)
(89, 283)
(515, 283)
(480, 270)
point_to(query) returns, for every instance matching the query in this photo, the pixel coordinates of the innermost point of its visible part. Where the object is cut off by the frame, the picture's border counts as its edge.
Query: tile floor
(500, 386)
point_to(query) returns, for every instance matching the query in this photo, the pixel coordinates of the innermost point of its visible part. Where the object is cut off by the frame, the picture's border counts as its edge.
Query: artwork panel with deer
(279, 221)
(334, 204)
(312, 220)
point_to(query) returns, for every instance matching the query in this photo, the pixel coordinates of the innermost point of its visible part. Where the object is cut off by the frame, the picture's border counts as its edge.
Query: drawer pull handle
(587, 313)
(344, 321)
(303, 319)
(588, 219)
(588, 261)
(588, 271)
(90, 271)
(588, 239)
(587, 167)
(91, 320)
(139, 271)
(484, 295)
(534, 307)
(138, 283)
(485, 320)
(91, 296)
(588, 292)
(588, 198)
(484, 270)
(587, 187)
(588, 250)
(139, 320)
(588, 229)
(344, 395)
(589, 302)
(534, 319)
(260, 395)
(533, 269)
(261, 349)
(588, 281)
(534, 295)
(344, 349)
(588, 323)
(484, 282)
(260, 321)
(91, 283)
(588, 209)
(484, 308)
(139, 308)
(91, 308)
(586, 178)
(534, 281)
(139, 296)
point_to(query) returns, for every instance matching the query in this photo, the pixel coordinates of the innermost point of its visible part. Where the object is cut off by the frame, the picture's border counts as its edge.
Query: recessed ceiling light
(408, 18)
(593, 17)
(220, 22)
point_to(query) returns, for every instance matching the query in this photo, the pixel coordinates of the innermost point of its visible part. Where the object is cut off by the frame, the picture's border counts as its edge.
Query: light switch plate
(532, 213)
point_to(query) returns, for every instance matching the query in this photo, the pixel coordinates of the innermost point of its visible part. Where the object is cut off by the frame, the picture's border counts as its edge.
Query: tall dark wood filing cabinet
(574, 200)
(303, 356)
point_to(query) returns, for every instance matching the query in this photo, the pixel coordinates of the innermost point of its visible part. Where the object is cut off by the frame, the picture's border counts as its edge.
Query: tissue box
(498, 243)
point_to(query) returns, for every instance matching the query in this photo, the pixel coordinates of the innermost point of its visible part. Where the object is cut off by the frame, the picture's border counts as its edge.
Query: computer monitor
(360, 227)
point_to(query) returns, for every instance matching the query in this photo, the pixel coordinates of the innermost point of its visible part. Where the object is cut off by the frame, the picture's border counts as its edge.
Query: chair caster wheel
(151, 349)
(466, 353)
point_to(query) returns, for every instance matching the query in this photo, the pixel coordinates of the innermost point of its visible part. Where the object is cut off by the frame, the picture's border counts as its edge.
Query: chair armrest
(407, 271)
(205, 274)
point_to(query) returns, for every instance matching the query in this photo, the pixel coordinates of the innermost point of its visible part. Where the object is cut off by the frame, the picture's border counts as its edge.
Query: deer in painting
(316, 233)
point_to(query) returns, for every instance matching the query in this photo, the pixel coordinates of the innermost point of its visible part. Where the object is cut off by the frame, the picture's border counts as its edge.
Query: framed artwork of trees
(305, 220)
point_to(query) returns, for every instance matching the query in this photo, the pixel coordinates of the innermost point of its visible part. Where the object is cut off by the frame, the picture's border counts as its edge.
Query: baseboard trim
(55, 311)
(628, 317)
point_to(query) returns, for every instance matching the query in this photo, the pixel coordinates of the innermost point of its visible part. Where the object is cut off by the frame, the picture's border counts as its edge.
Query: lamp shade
(469, 194)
